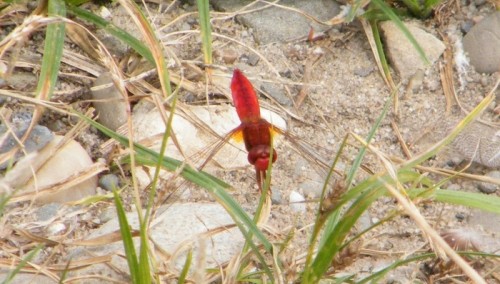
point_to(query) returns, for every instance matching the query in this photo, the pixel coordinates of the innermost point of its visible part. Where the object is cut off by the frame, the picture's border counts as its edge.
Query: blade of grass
(379, 274)
(52, 51)
(448, 139)
(113, 30)
(128, 242)
(490, 203)
(335, 219)
(28, 257)
(206, 30)
(185, 268)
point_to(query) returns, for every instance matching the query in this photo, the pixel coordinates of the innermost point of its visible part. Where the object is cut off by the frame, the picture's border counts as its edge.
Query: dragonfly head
(259, 157)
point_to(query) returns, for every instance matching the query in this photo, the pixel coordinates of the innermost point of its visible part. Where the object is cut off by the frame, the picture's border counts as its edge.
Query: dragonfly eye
(259, 157)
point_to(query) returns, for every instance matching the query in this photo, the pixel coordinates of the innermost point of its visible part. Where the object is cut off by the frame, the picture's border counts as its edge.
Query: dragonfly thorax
(259, 157)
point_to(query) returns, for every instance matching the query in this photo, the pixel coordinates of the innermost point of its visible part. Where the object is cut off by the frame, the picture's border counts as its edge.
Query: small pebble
(297, 202)
(253, 59)
(56, 229)
(466, 26)
(286, 74)
(460, 216)
(108, 214)
(39, 137)
(277, 93)
(109, 181)
(229, 56)
(276, 197)
(488, 188)
(363, 72)
(109, 103)
(47, 211)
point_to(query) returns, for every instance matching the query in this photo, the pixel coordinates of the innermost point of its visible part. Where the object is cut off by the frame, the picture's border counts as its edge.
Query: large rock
(52, 167)
(206, 127)
(482, 44)
(179, 228)
(275, 24)
(480, 143)
(109, 102)
(403, 55)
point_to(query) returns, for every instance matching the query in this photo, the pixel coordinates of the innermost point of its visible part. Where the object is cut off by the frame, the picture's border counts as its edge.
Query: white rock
(180, 227)
(55, 229)
(66, 162)
(149, 127)
(403, 55)
(297, 202)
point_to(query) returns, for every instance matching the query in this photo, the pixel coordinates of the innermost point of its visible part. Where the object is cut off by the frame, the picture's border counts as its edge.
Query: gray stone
(277, 93)
(253, 59)
(276, 24)
(487, 187)
(276, 197)
(488, 220)
(39, 137)
(403, 55)
(482, 44)
(109, 181)
(47, 211)
(110, 104)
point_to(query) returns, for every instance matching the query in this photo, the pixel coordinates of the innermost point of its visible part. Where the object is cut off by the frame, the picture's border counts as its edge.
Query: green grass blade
(375, 277)
(128, 242)
(359, 158)
(52, 51)
(28, 257)
(206, 30)
(380, 51)
(185, 268)
(333, 240)
(490, 203)
(115, 31)
(144, 268)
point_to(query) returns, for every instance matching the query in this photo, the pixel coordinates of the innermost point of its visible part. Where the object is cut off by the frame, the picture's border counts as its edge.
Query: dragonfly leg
(261, 177)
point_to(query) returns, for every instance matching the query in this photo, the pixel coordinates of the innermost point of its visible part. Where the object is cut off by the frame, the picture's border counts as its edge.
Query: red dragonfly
(255, 130)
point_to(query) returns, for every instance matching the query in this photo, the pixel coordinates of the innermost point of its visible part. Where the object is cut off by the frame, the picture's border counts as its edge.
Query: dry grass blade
(439, 245)
(371, 40)
(78, 35)
(75, 264)
(105, 239)
(446, 73)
